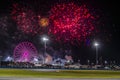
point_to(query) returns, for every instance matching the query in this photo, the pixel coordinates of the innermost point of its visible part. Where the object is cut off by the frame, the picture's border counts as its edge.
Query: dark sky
(109, 49)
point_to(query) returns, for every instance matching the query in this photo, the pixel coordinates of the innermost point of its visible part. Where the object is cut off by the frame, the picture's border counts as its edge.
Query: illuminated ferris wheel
(25, 52)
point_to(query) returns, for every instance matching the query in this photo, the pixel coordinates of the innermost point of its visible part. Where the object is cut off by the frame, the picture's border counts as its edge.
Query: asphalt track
(49, 79)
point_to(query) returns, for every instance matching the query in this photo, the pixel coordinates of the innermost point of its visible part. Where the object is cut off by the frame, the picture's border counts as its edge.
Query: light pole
(45, 39)
(96, 45)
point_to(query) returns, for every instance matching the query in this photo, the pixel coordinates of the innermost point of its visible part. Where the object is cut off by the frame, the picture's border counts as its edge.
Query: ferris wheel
(25, 52)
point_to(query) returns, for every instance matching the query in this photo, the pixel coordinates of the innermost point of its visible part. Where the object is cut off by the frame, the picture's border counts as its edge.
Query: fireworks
(71, 23)
(5, 23)
(26, 19)
(68, 22)
(44, 22)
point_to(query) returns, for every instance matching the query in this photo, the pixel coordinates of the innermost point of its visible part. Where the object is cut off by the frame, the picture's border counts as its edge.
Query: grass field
(60, 73)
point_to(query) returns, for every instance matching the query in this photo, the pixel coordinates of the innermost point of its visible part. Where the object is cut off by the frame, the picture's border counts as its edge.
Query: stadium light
(44, 39)
(96, 45)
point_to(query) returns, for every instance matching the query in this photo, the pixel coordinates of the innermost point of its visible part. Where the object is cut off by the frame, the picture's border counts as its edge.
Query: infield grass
(60, 73)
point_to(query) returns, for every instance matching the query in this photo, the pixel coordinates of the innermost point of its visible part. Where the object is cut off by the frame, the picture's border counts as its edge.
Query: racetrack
(49, 79)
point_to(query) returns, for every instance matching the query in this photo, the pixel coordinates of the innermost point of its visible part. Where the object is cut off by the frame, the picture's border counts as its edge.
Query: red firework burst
(26, 19)
(71, 23)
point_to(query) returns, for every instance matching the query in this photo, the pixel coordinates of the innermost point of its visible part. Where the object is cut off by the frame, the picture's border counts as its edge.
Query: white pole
(96, 55)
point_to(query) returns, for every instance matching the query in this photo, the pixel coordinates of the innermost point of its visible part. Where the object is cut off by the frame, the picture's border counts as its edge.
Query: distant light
(96, 44)
(35, 59)
(8, 58)
(45, 39)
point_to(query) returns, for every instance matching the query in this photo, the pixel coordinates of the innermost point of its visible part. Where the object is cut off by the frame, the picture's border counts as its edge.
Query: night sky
(108, 37)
